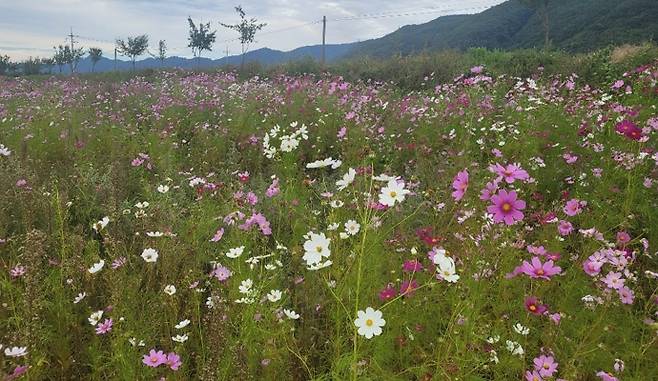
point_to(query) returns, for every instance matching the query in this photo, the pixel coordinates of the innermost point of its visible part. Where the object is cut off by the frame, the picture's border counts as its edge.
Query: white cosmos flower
(291, 314)
(170, 289)
(274, 296)
(154, 234)
(163, 188)
(15, 351)
(95, 317)
(393, 192)
(347, 179)
(520, 329)
(323, 163)
(100, 225)
(445, 267)
(182, 324)
(316, 247)
(79, 298)
(352, 227)
(245, 286)
(235, 252)
(385, 178)
(369, 323)
(4, 151)
(180, 338)
(150, 255)
(142, 205)
(96, 267)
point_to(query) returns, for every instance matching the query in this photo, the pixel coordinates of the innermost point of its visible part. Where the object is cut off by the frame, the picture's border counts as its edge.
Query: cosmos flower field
(199, 226)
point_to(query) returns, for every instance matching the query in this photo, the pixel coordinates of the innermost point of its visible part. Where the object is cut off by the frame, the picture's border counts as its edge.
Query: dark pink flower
(388, 293)
(533, 306)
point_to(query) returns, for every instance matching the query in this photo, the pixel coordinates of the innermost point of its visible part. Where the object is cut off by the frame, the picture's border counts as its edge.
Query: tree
(247, 29)
(201, 38)
(48, 63)
(4, 64)
(64, 55)
(135, 46)
(31, 66)
(95, 55)
(162, 51)
(542, 7)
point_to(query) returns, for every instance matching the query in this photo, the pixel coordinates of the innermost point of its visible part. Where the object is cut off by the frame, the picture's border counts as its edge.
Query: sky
(30, 28)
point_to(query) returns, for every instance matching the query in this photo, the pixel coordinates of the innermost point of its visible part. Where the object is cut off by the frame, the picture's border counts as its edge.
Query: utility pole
(324, 38)
(72, 37)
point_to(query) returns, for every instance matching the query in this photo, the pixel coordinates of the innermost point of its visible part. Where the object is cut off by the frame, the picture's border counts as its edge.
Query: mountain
(264, 56)
(574, 25)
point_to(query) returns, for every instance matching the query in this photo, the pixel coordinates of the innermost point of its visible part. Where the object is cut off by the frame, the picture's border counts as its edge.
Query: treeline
(200, 38)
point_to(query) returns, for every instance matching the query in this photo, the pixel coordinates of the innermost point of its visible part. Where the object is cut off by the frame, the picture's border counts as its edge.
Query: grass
(90, 147)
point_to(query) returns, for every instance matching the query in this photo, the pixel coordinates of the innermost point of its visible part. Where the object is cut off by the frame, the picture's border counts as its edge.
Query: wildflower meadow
(191, 225)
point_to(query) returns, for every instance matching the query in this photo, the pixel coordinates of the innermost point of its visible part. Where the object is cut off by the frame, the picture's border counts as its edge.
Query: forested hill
(574, 25)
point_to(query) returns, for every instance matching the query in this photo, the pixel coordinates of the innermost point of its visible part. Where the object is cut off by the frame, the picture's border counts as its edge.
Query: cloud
(33, 27)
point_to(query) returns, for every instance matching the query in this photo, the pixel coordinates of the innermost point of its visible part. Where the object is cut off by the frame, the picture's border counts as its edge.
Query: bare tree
(135, 46)
(247, 29)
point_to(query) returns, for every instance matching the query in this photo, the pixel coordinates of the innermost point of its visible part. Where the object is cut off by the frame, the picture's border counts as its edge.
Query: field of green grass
(186, 226)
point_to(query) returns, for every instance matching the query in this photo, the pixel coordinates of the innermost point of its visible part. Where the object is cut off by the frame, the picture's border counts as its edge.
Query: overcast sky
(32, 27)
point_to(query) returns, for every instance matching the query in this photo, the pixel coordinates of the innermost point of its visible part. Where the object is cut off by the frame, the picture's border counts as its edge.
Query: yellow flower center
(393, 193)
(318, 249)
(507, 207)
(532, 308)
(369, 322)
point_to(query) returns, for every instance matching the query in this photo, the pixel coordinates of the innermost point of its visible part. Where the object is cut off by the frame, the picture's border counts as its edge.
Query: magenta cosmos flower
(154, 359)
(533, 306)
(506, 207)
(460, 185)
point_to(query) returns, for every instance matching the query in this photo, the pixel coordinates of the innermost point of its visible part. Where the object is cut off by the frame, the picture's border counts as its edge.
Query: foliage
(135, 46)
(95, 55)
(200, 38)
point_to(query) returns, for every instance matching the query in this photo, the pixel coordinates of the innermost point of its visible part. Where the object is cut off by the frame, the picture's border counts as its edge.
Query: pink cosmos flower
(510, 173)
(536, 269)
(218, 235)
(154, 359)
(564, 228)
(591, 267)
(614, 280)
(506, 207)
(104, 327)
(221, 273)
(626, 295)
(257, 219)
(488, 191)
(173, 360)
(623, 237)
(533, 306)
(545, 365)
(533, 376)
(460, 185)
(273, 189)
(605, 376)
(574, 207)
